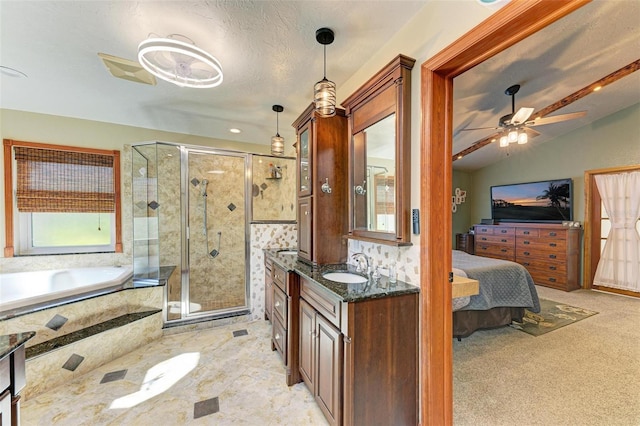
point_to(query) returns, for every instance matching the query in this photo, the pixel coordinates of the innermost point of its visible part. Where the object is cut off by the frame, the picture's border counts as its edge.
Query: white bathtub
(21, 292)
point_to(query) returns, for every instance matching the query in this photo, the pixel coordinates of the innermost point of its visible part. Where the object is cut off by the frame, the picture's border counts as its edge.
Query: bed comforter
(502, 283)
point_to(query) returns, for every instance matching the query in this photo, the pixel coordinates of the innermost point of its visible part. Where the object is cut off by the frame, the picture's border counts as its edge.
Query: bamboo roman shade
(51, 180)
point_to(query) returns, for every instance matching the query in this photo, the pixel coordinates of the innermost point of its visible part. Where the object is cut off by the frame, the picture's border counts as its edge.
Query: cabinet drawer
(280, 277)
(544, 266)
(554, 233)
(324, 303)
(524, 253)
(547, 244)
(279, 339)
(528, 232)
(549, 279)
(497, 239)
(279, 304)
(494, 250)
(484, 230)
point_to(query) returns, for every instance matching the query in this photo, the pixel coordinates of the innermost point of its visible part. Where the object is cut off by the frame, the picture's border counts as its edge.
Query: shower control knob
(326, 188)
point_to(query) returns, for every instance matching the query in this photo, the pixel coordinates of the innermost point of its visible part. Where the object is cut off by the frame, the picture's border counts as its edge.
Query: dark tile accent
(239, 333)
(56, 322)
(195, 181)
(141, 205)
(73, 362)
(113, 376)
(206, 407)
(83, 333)
(154, 205)
(263, 185)
(231, 207)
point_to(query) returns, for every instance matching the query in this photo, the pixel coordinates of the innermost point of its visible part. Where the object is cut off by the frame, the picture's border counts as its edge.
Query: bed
(506, 289)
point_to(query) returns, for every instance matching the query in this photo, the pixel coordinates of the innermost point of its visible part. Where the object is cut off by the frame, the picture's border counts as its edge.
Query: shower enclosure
(191, 228)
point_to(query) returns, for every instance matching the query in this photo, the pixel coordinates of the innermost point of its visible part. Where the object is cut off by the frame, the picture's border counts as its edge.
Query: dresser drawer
(279, 339)
(280, 277)
(548, 244)
(497, 239)
(554, 233)
(549, 279)
(494, 230)
(496, 251)
(545, 266)
(528, 232)
(323, 302)
(279, 305)
(523, 253)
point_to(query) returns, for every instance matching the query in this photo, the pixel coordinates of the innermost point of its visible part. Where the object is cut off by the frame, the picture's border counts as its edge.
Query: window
(67, 199)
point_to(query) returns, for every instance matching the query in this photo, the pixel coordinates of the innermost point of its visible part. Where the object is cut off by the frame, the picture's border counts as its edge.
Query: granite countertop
(11, 342)
(347, 292)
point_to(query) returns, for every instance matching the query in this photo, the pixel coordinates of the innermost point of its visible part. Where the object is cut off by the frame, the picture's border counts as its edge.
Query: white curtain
(619, 265)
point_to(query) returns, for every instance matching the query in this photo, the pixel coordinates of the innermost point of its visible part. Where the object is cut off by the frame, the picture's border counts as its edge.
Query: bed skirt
(466, 322)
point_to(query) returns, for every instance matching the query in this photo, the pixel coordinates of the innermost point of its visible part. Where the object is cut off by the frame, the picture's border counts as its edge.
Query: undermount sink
(345, 277)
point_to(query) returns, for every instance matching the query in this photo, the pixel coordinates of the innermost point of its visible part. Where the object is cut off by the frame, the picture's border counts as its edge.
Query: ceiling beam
(604, 81)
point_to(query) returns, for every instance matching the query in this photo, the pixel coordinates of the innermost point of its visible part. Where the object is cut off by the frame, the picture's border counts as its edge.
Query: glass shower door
(216, 281)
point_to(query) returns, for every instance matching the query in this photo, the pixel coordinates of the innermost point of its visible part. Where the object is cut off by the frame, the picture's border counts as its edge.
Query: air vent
(126, 69)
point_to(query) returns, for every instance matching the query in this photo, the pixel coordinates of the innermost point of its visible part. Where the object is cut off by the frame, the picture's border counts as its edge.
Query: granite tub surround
(46, 370)
(237, 381)
(272, 236)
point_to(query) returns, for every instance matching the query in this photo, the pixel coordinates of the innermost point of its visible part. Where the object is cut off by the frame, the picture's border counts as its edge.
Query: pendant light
(324, 91)
(277, 141)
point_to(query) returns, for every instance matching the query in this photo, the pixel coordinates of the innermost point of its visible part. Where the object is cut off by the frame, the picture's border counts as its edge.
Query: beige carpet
(583, 374)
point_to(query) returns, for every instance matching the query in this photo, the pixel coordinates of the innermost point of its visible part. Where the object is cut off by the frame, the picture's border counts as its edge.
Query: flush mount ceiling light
(176, 59)
(277, 141)
(324, 91)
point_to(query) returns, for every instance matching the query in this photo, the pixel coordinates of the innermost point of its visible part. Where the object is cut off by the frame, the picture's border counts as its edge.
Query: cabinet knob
(553, 268)
(277, 336)
(553, 280)
(526, 242)
(503, 240)
(552, 234)
(553, 244)
(277, 304)
(552, 256)
(504, 231)
(306, 213)
(526, 253)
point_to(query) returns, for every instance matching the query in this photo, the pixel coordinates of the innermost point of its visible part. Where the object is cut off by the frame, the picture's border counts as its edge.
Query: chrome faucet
(363, 263)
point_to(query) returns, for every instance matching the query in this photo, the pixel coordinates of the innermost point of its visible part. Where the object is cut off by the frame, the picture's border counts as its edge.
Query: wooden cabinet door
(305, 228)
(307, 343)
(328, 369)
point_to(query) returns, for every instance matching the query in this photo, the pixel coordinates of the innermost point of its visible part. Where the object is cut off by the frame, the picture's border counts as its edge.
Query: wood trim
(512, 23)
(592, 214)
(9, 249)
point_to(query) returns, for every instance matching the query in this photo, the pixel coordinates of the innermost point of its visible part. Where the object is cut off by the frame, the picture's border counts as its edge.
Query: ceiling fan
(516, 127)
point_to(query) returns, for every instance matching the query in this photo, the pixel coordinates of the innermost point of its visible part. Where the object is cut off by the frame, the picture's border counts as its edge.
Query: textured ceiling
(267, 49)
(572, 53)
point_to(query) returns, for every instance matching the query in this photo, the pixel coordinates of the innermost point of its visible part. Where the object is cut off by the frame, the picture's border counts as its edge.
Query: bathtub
(23, 292)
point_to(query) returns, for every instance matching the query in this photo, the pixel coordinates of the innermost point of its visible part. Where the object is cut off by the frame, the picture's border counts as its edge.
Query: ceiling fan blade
(531, 133)
(521, 115)
(556, 118)
(481, 128)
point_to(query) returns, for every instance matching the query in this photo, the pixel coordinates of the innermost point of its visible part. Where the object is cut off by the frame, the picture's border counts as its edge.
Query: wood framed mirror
(379, 116)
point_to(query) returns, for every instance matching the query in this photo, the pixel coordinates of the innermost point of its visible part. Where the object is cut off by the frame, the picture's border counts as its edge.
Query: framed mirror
(379, 156)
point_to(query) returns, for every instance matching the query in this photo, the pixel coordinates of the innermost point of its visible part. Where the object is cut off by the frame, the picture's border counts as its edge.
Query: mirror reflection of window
(374, 176)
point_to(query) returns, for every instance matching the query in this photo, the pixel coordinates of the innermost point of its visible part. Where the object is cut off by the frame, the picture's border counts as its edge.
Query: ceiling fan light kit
(178, 60)
(324, 91)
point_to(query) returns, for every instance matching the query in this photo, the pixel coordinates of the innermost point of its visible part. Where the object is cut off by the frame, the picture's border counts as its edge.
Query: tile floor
(224, 376)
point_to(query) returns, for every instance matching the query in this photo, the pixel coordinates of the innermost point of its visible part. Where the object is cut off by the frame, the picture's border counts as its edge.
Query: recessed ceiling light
(12, 72)
(234, 130)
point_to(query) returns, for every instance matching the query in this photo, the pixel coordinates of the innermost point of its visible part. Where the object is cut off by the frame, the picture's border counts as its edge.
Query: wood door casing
(592, 215)
(512, 23)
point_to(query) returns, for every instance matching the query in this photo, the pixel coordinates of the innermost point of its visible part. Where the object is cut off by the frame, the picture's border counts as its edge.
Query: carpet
(552, 316)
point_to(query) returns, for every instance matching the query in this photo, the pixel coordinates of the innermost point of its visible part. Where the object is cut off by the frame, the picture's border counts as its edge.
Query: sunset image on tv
(535, 201)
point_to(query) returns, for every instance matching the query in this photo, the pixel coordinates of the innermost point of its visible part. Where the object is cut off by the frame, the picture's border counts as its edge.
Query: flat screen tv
(544, 201)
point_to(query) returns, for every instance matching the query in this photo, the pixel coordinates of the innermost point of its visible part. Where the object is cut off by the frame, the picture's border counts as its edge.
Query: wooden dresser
(465, 242)
(550, 252)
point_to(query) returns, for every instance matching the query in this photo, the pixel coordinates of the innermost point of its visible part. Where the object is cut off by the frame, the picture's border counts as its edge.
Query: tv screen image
(544, 201)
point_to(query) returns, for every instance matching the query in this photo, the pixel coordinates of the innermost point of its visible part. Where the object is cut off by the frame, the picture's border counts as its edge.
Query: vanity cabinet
(359, 358)
(285, 325)
(12, 376)
(321, 178)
